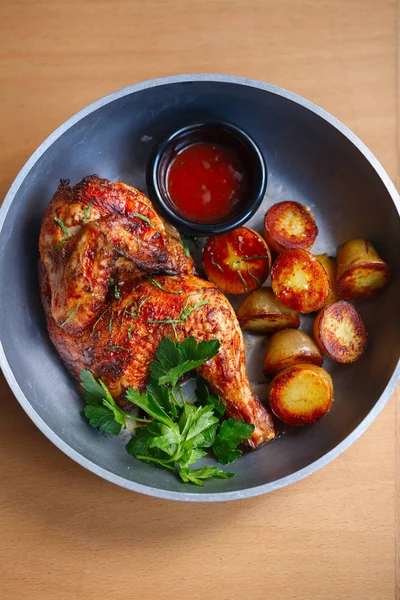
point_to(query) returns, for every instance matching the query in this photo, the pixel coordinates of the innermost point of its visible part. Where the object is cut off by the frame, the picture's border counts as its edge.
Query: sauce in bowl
(207, 178)
(206, 182)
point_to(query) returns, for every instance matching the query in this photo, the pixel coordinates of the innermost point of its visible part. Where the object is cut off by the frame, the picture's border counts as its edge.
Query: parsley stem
(174, 396)
(244, 282)
(87, 211)
(161, 287)
(246, 258)
(175, 332)
(253, 276)
(156, 460)
(181, 394)
(99, 319)
(138, 419)
(216, 264)
(166, 321)
(71, 314)
(132, 313)
(63, 227)
(115, 347)
(146, 219)
(185, 245)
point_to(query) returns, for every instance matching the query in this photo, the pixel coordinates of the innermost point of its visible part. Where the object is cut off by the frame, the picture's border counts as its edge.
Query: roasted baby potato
(290, 347)
(238, 261)
(329, 264)
(301, 394)
(361, 273)
(289, 225)
(261, 312)
(340, 332)
(300, 281)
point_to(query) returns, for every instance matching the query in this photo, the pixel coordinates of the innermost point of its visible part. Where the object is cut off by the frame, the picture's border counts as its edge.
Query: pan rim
(69, 450)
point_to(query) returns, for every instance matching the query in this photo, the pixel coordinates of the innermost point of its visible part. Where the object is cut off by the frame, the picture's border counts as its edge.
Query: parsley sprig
(176, 434)
(64, 229)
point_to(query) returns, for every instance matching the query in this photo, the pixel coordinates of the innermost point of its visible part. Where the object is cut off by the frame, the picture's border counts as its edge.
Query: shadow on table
(43, 487)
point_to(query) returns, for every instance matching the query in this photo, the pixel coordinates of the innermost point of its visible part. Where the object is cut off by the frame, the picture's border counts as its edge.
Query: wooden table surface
(65, 533)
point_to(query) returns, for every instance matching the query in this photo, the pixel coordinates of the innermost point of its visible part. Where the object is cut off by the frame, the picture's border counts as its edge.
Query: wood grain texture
(65, 534)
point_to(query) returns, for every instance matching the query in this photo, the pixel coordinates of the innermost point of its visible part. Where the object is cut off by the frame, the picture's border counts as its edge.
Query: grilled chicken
(115, 280)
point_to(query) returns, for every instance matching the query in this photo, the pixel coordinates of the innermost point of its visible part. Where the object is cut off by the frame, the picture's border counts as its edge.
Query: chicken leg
(114, 329)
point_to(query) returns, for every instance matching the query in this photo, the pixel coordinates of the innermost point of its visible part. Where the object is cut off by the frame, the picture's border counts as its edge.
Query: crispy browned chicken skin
(97, 230)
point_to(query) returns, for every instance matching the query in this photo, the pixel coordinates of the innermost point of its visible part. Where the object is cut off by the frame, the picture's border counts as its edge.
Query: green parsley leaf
(197, 476)
(174, 360)
(97, 395)
(150, 405)
(168, 355)
(205, 398)
(195, 420)
(179, 433)
(230, 435)
(189, 457)
(198, 352)
(102, 418)
(110, 403)
(93, 392)
(209, 436)
(138, 445)
(163, 437)
(161, 394)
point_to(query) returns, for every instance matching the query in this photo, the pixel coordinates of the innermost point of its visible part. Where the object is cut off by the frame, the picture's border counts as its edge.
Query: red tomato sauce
(206, 182)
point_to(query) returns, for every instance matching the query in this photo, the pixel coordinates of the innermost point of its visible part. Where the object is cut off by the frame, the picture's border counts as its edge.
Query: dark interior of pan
(310, 158)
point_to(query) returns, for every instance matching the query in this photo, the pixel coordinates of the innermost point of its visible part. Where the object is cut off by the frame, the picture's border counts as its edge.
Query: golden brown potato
(340, 332)
(300, 281)
(329, 264)
(290, 347)
(289, 225)
(361, 273)
(301, 394)
(261, 312)
(237, 262)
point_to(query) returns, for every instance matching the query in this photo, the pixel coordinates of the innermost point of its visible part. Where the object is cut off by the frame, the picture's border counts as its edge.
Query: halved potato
(329, 264)
(238, 261)
(340, 332)
(300, 281)
(361, 273)
(301, 394)
(289, 225)
(261, 312)
(290, 347)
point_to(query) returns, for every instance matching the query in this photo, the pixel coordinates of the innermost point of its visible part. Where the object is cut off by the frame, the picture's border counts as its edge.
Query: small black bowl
(217, 132)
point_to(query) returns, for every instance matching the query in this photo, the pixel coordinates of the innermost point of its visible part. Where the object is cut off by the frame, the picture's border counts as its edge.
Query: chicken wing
(86, 233)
